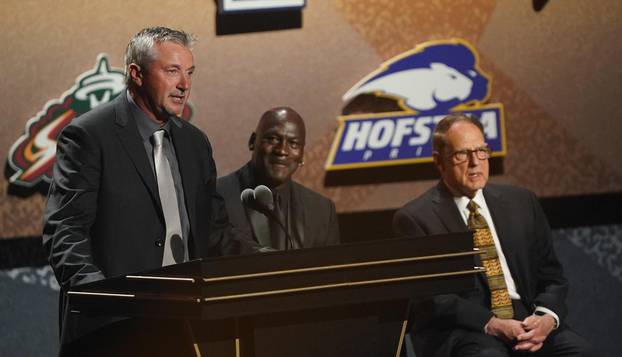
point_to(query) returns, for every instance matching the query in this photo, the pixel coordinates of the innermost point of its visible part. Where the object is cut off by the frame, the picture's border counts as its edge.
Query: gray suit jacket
(525, 238)
(313, 214)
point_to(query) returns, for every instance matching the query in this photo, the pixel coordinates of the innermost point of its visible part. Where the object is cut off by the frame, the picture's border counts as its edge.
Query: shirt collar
(463, 201)
(283, 191)
(146, 126)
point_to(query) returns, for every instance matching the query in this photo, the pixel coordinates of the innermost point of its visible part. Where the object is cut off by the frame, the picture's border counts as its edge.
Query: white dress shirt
(461, 203)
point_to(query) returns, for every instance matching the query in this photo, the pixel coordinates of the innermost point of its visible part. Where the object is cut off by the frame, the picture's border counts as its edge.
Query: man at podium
(134, 188)
(519, 305)
(283, 214)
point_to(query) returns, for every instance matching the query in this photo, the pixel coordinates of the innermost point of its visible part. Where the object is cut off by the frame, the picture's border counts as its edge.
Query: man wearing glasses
(518, 306)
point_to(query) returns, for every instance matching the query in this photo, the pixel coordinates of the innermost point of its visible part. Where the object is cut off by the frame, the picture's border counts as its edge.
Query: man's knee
(586, 350)
(482, 346)
(569, 343)
(493, 352)
(477, 344)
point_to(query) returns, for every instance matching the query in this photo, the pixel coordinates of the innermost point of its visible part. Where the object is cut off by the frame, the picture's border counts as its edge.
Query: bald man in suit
(277, 147)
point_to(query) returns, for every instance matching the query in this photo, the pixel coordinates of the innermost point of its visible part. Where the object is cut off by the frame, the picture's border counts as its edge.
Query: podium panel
(344, 300)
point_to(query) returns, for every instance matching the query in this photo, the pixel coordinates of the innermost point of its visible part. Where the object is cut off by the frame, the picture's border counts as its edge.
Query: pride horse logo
(432, 78)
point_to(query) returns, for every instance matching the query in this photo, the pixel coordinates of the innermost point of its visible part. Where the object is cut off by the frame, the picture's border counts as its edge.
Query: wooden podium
(344, 300)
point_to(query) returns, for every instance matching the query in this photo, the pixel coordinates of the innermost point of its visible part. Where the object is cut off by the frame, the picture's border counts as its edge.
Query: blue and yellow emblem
(424, 85)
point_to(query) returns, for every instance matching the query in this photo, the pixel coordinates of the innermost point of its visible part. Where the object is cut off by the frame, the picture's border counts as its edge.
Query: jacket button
(159, 243)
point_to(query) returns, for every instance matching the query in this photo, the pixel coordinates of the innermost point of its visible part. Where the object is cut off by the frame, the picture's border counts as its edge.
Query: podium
(343, 300)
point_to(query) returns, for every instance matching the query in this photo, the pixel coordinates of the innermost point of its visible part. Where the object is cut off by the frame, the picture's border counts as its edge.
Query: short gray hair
(443, 126)
(140, 48)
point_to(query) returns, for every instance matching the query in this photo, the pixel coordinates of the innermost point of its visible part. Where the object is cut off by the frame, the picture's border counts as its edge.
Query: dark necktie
(277, 236)
(174, 247)
(501, 303)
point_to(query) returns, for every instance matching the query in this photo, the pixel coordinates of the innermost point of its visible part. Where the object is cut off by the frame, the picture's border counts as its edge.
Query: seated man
(278, 148)
(518, 307)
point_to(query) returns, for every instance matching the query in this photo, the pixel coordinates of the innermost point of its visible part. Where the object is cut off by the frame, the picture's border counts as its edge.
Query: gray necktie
(174, 250)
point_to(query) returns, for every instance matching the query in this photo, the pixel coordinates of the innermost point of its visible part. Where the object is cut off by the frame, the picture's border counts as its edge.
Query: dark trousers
(561, 342)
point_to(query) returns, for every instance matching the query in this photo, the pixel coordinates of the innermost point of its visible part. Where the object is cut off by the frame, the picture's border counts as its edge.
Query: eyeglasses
(482, 153)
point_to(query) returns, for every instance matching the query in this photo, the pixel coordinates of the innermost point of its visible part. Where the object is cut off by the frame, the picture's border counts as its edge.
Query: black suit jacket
(103, 216)
(526, 242)
(314, 214)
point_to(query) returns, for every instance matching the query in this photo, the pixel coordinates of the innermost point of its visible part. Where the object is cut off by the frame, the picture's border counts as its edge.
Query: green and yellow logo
(32, 156)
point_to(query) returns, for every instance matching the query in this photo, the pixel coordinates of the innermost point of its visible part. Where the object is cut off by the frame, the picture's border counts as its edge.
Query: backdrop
(553, 65)
(554, 70)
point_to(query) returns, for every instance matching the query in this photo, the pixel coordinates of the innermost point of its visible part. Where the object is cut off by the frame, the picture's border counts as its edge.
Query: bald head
(278, 146)
(280, 115)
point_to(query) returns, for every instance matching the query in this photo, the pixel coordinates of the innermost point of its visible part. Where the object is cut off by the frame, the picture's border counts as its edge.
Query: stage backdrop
(548, 71)
(553, 69)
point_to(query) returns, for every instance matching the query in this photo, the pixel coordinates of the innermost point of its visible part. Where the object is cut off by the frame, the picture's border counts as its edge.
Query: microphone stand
(265, 205)
(271, 214)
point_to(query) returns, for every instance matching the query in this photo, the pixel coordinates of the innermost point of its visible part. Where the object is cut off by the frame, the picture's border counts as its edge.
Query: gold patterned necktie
(501, 303)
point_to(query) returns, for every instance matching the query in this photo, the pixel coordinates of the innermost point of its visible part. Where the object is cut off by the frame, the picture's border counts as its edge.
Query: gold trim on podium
(338, 266)
(197, 350)
(339, 285)
(401, 341)
(150, 277)
(100, 294)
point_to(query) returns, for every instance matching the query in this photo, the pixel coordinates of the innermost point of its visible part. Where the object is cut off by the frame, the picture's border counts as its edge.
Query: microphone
(264, 198)
(248, 197)
(260, 199)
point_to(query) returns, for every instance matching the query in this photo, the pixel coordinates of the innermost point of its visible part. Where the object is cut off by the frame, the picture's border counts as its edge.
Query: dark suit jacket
(313, 214)
(525, 239)
(103, 216)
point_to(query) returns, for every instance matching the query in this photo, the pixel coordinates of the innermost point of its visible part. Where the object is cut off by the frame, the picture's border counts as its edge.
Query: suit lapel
(132, 143)
(446, 210)
(500, 209)
(298, 216)
(260, 226)
(259, 223)
(189, 170)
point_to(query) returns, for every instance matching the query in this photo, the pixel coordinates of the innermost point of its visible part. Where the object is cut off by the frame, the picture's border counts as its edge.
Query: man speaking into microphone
(294, 216)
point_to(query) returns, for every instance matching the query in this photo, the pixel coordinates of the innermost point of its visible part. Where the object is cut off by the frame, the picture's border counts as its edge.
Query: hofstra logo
(391, 113)
(32, 156)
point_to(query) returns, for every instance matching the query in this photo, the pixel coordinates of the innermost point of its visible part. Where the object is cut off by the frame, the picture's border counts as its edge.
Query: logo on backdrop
(32, 155)
(422, 86)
